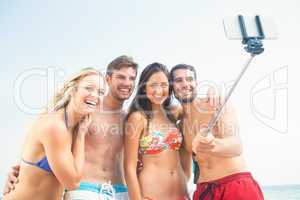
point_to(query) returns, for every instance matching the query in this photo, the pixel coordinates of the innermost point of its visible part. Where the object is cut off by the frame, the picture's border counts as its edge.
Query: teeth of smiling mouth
(90, 103)
(124, 90)
(187, 91)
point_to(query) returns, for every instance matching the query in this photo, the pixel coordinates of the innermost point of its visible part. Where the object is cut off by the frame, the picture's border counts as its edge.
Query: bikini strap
(28, 162)
(66, 117)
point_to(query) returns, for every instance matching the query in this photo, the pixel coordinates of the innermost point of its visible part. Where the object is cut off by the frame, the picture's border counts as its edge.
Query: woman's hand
(84, 125)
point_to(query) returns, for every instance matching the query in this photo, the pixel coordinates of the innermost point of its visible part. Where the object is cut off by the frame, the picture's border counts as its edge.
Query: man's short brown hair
(121, 62)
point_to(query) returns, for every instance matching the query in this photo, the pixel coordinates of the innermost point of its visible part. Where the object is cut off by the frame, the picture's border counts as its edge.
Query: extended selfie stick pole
(254, 46)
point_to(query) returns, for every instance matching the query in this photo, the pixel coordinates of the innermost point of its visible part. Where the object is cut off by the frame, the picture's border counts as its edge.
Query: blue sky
(64, 36)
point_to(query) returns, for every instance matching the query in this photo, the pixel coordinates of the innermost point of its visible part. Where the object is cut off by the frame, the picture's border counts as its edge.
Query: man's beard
(186, 100)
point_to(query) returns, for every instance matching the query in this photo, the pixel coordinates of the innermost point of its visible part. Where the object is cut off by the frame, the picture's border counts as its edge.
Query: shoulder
(137, 116)
(176, 110)
(135, 123)
(51, 126)
(203, 104)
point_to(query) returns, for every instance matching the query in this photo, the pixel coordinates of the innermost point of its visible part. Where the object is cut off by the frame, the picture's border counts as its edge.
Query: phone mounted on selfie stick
(252, 45)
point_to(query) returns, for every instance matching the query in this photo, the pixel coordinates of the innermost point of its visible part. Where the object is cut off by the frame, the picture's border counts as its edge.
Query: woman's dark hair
(142, 103)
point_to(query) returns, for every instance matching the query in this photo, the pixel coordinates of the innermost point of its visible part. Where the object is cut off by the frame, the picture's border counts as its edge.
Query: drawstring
(107, 192)
(209, 190)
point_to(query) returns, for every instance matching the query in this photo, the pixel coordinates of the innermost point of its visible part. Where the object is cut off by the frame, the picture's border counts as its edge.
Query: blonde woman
(53, 155)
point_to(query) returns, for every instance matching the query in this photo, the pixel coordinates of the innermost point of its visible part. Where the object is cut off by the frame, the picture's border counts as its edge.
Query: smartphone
(233, 31)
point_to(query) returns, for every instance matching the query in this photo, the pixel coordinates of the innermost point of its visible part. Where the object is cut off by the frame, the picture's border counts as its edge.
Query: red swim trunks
(239, 186)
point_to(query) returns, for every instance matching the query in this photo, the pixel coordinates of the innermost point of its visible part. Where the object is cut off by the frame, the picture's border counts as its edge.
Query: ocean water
(282, 192)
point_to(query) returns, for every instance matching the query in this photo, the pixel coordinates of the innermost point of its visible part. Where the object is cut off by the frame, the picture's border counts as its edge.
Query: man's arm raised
(224, 141)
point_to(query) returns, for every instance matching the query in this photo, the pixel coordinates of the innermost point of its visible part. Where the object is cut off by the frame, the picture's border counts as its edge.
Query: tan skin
(63, 147)
(219, 154)
(104, 143)
(103, 149)
(162, 176)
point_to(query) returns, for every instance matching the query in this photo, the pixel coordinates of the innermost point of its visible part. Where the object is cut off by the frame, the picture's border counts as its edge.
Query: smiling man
(223, 173)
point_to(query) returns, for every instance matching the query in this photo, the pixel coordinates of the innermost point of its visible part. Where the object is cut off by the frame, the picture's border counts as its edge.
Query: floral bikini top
(156, 142)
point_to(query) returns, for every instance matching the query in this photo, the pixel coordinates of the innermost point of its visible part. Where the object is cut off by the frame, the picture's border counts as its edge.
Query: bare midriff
(212, 168)
(162, 176)
(103, 159)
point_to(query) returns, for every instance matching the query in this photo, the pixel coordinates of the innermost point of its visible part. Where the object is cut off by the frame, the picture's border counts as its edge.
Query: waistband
(227, 179)
(95, 187)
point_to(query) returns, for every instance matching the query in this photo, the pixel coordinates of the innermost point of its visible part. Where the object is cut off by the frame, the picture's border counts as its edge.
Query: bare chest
(106, 129)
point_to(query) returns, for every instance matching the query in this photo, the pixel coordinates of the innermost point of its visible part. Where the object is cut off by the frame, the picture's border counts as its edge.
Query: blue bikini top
(43, 163)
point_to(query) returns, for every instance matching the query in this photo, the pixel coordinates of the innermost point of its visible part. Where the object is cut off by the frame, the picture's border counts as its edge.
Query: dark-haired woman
(153, 141)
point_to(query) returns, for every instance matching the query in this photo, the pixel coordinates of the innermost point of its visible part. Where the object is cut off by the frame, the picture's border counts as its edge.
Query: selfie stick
(253, 46)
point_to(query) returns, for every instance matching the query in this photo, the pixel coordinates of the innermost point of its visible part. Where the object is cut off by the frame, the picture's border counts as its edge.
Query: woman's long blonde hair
(62, 98)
